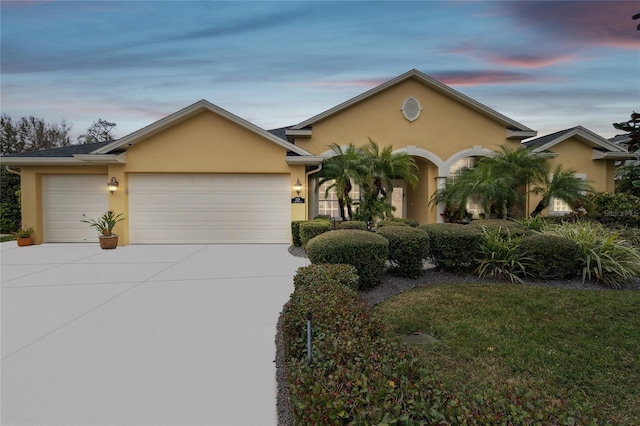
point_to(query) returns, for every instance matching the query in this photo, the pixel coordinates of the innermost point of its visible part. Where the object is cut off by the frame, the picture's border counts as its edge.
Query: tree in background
(99, 131)
(26, 134)
(32, 134)
(632, 127)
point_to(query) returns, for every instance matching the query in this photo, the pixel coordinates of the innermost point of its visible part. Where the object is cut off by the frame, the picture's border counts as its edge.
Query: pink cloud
(477, 78)
(531, 61)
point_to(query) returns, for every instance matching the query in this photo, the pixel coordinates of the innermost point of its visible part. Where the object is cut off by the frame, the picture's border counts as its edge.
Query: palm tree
(343, 168)
(497, 183)
(383, 165)
(564, 185)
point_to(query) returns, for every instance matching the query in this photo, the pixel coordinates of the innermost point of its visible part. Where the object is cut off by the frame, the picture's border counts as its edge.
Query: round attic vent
(411, 108)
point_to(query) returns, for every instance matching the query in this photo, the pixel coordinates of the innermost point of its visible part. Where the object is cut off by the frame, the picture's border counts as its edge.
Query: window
(455, 169)
(558, 207)
(328, 206)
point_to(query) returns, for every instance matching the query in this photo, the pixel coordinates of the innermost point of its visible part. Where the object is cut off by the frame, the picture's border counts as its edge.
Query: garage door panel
(209, 208)
(69, 199)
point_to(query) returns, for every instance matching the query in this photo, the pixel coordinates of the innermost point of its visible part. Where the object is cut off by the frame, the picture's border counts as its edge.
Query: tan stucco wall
(205, 143)
(444, 128)
(31, 191)
(577, 155)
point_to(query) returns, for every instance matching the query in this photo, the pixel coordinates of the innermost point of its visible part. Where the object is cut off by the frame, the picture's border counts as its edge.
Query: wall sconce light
(298, 186)
(113, 185)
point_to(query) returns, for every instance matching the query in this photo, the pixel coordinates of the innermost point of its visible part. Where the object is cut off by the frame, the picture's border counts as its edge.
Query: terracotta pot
(108, 243)
(27, 241)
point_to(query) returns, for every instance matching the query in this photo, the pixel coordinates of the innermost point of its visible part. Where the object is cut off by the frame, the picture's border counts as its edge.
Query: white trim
(404, 109)
(476, 151)
(599, 155)
(311, 160)
(298, 133)
(422, 153)
(102, 158)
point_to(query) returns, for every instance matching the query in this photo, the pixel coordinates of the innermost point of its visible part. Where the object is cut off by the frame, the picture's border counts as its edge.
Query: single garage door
(66, 201)
(212, 208)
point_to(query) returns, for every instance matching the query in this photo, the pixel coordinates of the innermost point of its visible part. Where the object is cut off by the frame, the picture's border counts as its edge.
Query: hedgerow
(354, 224)
(360, 375)
(312, 228)
(341, 274)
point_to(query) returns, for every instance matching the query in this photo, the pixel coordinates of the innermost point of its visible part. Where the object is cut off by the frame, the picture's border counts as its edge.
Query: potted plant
(24, 237)
(105, 225)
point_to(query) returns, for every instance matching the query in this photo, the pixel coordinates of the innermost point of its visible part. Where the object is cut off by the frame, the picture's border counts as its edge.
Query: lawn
(580, 345)
(7, 238)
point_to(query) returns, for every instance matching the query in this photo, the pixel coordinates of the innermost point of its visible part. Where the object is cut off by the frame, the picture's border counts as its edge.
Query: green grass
(7, 238)
(575, 344)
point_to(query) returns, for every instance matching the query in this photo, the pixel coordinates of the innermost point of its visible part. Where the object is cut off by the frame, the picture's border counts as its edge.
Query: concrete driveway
(141, 335)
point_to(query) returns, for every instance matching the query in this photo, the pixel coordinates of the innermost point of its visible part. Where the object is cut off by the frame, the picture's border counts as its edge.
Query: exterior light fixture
(298, 186)
(113, 185)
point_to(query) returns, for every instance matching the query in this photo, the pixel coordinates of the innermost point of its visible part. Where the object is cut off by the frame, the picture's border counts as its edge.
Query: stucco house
(205, 175)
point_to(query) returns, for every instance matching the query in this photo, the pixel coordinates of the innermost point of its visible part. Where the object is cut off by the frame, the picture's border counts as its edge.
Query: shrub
(537, 223)
(354, 224)
(314, 275)
(313, 228)
(619, 209)
(552, 257)
(384, 223)
(365, 250)
(510, 227)
(500, 256)
(295, 232)
(408, 248)
(603, 254)
(452, 246)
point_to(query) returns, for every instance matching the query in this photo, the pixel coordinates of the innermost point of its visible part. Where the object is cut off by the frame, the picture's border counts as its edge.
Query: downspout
(15, 172)
(310, 172)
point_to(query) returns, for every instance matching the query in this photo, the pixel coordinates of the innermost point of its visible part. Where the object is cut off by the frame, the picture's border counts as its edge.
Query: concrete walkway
(141, 335)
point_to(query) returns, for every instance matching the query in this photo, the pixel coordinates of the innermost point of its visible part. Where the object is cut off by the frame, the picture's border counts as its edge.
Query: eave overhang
(310, 160)
(102, 158)
(520, 134)
(601, 155)
(299, 133)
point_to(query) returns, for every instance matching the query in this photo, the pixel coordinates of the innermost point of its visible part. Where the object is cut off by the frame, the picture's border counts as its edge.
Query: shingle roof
(65, 151)
(533, 143)
(281, 132)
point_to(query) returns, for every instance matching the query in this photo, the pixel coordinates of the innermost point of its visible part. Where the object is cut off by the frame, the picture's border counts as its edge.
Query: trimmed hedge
(551, 257)
(354, 224)
(510, 227)
(295, 232)
(361, 376)
(453, 247)
(365, 250)
(398, 221)
(313, 228)
(408, 248)
(312, 275)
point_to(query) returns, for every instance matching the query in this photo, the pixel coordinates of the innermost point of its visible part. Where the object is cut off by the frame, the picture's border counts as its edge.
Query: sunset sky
(549, 65)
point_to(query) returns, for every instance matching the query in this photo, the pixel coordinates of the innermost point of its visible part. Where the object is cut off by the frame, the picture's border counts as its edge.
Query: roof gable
(186, 113)
(431, 83)
(584, 135)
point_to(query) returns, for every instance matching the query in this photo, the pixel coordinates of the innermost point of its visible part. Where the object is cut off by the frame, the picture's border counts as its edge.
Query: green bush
(365, 250)
(384, 223)
(614, 209)
(408, 248)
(313, 228)
(552, 257)
(354, 224)
(510, 227)
(536, 224)
(500, 256)
(611, 260)
(314, 275)
(361, 376)
(295, 232)
(452, 246)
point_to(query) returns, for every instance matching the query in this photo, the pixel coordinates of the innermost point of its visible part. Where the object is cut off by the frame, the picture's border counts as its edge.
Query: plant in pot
(24, 237)
(105, 225)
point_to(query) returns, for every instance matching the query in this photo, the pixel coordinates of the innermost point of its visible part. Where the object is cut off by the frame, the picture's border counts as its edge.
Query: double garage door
(212, 208)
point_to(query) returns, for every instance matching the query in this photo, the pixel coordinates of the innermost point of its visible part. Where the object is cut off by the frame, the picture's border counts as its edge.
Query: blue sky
(547, 64)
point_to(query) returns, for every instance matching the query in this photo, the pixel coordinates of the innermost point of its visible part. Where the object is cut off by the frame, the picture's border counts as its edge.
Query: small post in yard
(309, 355)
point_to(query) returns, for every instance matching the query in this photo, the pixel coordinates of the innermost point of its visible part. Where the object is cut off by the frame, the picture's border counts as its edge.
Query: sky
(550, 65)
